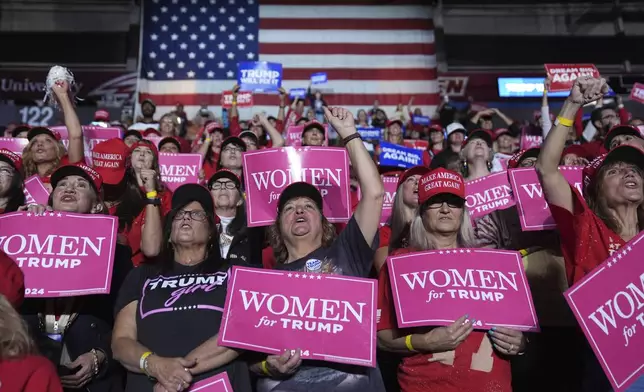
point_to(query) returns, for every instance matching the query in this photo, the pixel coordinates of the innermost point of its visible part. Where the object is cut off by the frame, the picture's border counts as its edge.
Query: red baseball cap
(102, 115)
(624, 153)
(151, 131)
(109, 160)
(576, 149)
(483, 134)
(211, 126)
(11, 158)
(394, 121)
(500, 132)
(412, 171)
(435, 128)
(145, 144)
(313, 124)
(170, 139)
(440, 181)
(35, 131)
(78, 169)
(620, 130)
(12, 280)
(517, 158)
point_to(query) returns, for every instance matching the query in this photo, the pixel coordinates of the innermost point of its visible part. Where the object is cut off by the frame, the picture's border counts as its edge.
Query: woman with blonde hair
(21, 369)
(455, 357)
(477, 154)
(45, 152)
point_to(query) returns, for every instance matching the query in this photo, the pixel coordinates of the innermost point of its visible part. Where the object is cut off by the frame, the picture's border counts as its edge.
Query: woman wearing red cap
(73, 332)
(21, 370)
(609, 214)
(477, 154)
(165, 335)
(393, 235)
(212, 137)
(303, 240)
(11, 188)
(45, 152)
(452, 358)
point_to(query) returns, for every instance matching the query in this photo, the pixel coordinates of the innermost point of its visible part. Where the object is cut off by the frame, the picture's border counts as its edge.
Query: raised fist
(587, 89)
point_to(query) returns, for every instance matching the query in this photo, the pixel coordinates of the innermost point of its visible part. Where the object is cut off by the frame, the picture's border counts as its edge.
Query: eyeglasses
(218, 185)
(450, 204)
(229, 149)
(198, 215)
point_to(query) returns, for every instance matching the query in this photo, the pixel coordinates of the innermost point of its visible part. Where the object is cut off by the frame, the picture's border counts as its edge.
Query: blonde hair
(420, 239)
(30, 167)
(15, 341)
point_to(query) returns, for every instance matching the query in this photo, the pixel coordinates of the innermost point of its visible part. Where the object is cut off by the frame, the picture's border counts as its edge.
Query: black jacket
(91, 328)
(246, 247)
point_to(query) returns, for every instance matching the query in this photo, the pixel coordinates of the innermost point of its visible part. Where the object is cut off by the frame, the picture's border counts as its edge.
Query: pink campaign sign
(179, 169)
(154, 139)
(218, 383)
(531, 141)
(488, 194)
(534, 213)
(35, 191)
(390, 183)
(267, 172)
(61, 254)
(329, 317)
(15, 145)
(92, 135)
(609, 305)
(440, 286)
(294, 135)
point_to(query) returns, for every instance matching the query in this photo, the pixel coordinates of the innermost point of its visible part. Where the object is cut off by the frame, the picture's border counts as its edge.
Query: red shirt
(134, 232)
(209, 168)
(474, 366)
(32, 373)
(586, 241)
(385, 235)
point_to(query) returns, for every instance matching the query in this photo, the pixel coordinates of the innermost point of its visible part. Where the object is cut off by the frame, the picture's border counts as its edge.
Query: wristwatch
(154, 201)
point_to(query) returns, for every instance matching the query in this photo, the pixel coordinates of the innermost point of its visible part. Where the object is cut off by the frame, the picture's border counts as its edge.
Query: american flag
(369, 50)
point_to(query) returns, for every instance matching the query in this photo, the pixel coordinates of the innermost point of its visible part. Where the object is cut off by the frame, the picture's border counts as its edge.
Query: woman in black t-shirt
(168, 315)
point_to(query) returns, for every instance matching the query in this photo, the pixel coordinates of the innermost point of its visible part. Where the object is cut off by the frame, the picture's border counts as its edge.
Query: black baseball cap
(299, 189)
(188, 193)
(170, 139)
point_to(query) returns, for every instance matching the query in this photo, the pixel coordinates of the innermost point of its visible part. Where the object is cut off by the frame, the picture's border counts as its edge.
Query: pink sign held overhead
(488, 194)
(440, 286)
(35, 191)
(609, 305)
(564, 75)
(421, 145)
(267, 172)
(329, 317)
(391, 186)
(244, 99)
(13, 144)
(530, 141)
(294, 135)
(61, 254)
(179, 169)
(218, 383)
(637, 93)
(534, 213)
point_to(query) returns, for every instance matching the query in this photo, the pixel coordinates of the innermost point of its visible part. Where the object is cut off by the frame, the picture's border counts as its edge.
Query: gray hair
(420, 239)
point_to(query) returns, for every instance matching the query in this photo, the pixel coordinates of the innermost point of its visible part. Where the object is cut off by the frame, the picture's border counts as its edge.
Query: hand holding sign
(341, 120)
(285, 364)
(587, 89)
(507, 341)
(448, 338)
(169, 372)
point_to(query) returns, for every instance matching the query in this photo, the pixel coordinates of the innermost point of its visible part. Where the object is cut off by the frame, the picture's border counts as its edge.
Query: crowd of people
(143, 337)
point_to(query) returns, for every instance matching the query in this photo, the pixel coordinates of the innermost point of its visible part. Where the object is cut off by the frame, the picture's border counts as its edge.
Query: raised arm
(276, 136)
(555, 187)
(368, 212)
(76, 150)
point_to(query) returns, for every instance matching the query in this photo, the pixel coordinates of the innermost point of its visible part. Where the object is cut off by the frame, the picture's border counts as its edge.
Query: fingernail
(467, 316)
(490, 332)
(493, 328)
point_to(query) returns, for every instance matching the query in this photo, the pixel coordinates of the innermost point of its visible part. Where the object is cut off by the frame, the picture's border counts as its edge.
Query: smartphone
(65, 371)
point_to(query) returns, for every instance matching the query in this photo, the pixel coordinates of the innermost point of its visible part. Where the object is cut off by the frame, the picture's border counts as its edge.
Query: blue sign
(399, 156)
(297, 92)
(421, 120)
(259, 76)
(224, 117)
(318, 78)
(370, 133)
(524, 87)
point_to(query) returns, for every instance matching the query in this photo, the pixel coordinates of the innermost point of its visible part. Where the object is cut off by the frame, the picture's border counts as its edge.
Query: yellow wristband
(151, 195)
(524, 252)
(565, 121)
(264, 367)
(410, 347)
(142, 360)
(234, 102)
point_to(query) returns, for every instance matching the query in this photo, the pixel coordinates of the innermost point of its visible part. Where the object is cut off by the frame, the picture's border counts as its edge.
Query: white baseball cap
(455, 127)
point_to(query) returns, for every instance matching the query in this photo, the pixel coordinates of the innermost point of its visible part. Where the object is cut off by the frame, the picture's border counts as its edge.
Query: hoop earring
(465, 168)
(489, 165)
